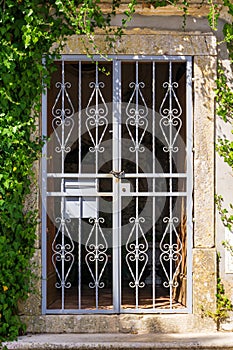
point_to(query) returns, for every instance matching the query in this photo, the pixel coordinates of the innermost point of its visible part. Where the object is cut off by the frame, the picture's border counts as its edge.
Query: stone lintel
(145, 42)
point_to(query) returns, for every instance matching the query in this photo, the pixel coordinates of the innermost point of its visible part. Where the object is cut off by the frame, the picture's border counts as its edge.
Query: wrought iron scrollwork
(136, 252)
(63, 117)
(137, 116)
(170, 251)
(63, 253)
(96, 247)
(96, 114)
(170, 123)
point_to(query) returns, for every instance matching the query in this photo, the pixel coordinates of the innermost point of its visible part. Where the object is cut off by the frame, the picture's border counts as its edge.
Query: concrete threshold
(204, 341)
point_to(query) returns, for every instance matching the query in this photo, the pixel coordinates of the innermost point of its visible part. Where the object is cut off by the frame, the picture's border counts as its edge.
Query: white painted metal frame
(116, 156)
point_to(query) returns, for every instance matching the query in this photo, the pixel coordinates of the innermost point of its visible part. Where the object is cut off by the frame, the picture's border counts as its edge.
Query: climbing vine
(224, 99)
(28, 31)
(223, 303)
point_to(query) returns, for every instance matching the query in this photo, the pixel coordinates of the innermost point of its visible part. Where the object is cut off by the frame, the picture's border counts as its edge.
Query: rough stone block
(124, 324)
(204, 77)
(35, 324)
(96, 324)
(204, 280)
(148, 42)
(227, 324)
(59, 323)
(32, 306)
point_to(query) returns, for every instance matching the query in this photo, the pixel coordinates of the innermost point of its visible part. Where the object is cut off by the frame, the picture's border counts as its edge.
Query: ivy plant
(28, 30)
(224, 99)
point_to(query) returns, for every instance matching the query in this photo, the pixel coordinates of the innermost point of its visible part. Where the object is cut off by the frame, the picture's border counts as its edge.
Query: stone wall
(202, 48)
(151, 33)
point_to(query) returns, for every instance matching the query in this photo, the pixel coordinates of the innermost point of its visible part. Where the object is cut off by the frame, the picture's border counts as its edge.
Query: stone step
(119, 341)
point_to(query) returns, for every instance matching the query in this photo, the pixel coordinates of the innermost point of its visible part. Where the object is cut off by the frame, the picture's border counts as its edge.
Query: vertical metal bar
(153, 183)
(136, 151)
(80, 171)
(96, 180)
(170, 180)
(189, 205)
(116, 230)
(63, 116)
(44, 202)
(119, 99)
(62, 186)
(96, 268)
(79, 253)
(79, 116)
(96, 115)
(97, 132)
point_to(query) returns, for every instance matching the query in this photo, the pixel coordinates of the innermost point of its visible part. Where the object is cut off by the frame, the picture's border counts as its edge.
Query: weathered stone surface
(32, 200)
(59, 324)
(227, 324)
(204, 114)
(149, 43)
(32, 306)
(205, 341)
(196, 8)
(204, 280)
(176, 323)
(35, 324)
(143, 324)
(201, 47)
(96, 323)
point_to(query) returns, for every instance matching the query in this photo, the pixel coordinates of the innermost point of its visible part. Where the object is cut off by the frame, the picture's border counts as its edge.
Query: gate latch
(117, 174)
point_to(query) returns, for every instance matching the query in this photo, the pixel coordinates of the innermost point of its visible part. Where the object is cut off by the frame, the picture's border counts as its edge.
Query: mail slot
(78, 205)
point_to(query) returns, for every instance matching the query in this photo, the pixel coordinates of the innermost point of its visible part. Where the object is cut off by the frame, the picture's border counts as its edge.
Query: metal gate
(117, 185)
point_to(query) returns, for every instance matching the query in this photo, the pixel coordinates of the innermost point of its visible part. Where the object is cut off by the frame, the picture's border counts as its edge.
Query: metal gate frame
(116, 60)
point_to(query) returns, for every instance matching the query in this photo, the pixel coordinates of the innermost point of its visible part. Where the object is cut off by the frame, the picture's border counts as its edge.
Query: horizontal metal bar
(125, 176)
(83, 194)
(123, 194)
(154, 194)
(161, 58)
(79, 311)
(123, 311)
(80, 176)
(155, 310)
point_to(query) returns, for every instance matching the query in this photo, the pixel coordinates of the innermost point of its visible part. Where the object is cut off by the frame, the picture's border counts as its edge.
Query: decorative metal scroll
(170, 122)
(63, 253)
(96, 113)
(170, 251)
(96, 247)
(62, 124)
(63, 117)
(137, 116)
(136, 252)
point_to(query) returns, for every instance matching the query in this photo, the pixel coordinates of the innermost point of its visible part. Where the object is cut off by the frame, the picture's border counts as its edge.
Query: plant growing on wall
(28, 31)
(224, 98)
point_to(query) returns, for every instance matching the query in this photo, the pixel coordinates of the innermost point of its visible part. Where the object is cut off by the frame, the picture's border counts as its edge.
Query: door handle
(117, 174)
